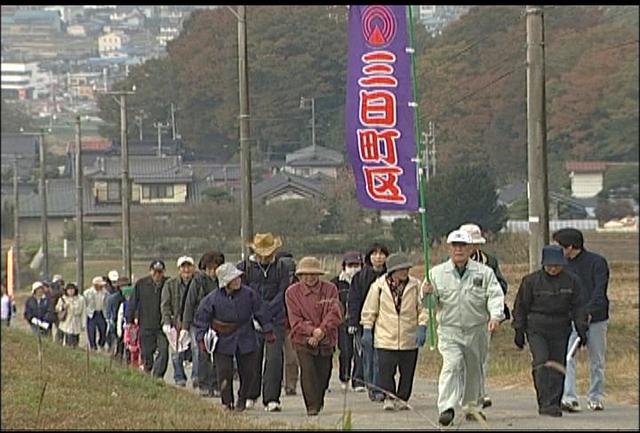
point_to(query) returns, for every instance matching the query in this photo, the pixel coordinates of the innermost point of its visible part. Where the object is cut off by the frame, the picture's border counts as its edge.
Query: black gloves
(583, 339)
(519, 339)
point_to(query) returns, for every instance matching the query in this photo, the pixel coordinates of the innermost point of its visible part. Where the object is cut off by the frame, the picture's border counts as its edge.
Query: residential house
(312, 160)
(587, 177)
(287, 186)
(92, 149)
(24, 148)
(111, 42)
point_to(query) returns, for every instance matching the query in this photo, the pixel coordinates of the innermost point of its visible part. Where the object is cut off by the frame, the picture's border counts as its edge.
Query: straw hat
(310, 265)
(264, 244)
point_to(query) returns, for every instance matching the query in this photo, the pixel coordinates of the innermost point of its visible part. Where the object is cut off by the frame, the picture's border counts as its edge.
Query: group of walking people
(273, 322)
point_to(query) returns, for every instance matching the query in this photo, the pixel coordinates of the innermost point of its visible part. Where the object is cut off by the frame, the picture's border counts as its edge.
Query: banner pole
(422, 185)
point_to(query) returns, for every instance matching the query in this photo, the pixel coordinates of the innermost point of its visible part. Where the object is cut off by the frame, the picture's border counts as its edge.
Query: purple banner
(380, 132)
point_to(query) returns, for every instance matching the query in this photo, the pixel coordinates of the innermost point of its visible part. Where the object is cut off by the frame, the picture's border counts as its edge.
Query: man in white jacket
(469, 302)
(95, 298)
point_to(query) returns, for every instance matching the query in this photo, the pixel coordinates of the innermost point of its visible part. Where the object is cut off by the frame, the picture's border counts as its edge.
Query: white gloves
(40, 323)
(351, 330)
(257, 326)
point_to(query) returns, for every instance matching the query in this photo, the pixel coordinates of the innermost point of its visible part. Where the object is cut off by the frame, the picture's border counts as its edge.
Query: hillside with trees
(472, 84)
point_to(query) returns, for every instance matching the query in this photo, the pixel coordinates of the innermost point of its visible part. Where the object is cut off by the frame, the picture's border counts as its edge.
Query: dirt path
(513, 409)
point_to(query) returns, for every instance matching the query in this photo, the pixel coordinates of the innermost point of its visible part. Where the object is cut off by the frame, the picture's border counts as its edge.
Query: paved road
(513, 409)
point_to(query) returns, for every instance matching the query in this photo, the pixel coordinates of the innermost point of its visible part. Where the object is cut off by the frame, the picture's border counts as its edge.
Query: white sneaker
(359, 389)
(250, 404)
(273, 406)
(388, 405)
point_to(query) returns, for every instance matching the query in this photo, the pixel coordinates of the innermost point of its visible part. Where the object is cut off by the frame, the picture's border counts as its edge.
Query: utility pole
(159, 126)
(42, 189)
(313, 119)
(173, 122)
(125, 191)
(245, 149)
(79, 216)
(16, 228)
(44, 216)
(538, 190)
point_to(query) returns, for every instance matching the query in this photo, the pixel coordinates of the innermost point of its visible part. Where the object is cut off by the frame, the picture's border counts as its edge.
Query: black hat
(552, 255)
(157, 265)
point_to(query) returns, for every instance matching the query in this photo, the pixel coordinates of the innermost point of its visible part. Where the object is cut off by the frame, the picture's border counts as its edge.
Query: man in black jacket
(145, 305)
(269, 278)
(546, 303)
(592, 271)
(374, 267)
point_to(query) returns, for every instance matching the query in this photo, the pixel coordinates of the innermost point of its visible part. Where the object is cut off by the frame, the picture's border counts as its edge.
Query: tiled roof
(586, 166)
(281, 183)
(318, 156)
(143, 169)
(18, 144)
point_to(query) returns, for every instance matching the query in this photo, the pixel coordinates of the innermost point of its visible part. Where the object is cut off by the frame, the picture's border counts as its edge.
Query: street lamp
(303, 100)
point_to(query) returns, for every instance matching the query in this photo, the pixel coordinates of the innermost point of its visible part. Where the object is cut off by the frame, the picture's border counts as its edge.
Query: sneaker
(343, 385)
(486, 402)
(215, 393)
(359, 389)
(388, 405)
(250, 403)
(570, 406)
(446, 417)
(400, 405)
(595, 405)
(273, 406)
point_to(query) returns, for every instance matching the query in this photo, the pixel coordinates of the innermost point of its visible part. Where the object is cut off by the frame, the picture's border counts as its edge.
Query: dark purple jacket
(238, 308)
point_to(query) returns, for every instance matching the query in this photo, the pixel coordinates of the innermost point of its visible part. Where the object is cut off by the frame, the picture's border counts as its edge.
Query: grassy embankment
(94, 393)
(510, 367)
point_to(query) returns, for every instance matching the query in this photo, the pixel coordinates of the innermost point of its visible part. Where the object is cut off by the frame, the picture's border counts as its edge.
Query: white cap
(98, 280)
(113, 276)
(185, 259)
(35, 285)
(459, 236)
(475, 233)
(56, 277)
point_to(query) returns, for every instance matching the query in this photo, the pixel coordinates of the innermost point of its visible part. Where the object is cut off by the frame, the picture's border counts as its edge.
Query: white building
(587, 177)
(110, 42)
(23, 81)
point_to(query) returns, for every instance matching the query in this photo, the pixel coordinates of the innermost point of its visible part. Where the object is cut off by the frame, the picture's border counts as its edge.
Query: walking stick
(421, 161)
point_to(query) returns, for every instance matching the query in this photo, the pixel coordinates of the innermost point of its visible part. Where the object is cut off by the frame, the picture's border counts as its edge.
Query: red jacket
(310, 308)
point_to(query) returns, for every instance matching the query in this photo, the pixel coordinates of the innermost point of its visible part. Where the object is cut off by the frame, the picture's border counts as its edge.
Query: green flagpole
(422, 186)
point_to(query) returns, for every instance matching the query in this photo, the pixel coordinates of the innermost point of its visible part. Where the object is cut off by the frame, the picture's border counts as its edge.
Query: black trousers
(315, 372)
(207, 374)
(269, 377)
(150, 341)
(548, 381)
(246, 372)
(345, 358)
(391, 360)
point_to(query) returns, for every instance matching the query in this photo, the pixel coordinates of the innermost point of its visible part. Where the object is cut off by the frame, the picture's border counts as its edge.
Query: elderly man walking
(394, 307)
(314, 312)
(545, 305)
(269, 278)
(172, 302)
(96, 298)
(481, 256)
(470, 305)
(145, 305)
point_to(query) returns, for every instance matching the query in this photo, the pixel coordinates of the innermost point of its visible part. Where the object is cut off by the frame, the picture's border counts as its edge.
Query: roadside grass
(512, 368)
(99, 394)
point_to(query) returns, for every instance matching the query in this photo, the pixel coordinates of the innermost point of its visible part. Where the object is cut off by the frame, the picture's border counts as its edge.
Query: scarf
(396, 291)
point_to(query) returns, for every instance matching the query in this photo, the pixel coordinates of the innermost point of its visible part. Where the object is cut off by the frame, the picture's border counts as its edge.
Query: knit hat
(553, 255)
(398, 261)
